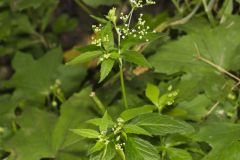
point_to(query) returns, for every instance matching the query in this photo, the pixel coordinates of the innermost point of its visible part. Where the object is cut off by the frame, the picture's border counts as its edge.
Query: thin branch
(211, 110)
(219, 68)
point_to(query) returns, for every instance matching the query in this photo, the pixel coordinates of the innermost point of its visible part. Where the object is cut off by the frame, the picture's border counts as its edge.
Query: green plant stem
(98, 102)
(121, 69)
(208, 10)
(123, 87)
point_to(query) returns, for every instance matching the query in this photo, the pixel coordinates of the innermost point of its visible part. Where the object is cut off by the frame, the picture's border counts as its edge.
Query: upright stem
(123, 86)
(121, 68)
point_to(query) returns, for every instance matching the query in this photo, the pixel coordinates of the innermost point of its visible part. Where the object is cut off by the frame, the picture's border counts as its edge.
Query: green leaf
(196, 108)
(139, 149)
(33, 137)
(89, 133)
(152, 92)
(108, 153)
(157, 124)
(180, 55)
(74, 112)
(107, 37)
(105, 122)
(136, 58)
(32, 79)
(129, 128)
(223, 138)
(178, 154)
(84, 57)
(132, 113)
(106, 67)
(97, 147)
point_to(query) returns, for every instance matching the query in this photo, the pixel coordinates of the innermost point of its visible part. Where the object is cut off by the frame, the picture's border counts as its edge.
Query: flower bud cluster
(119, 146)
(140, 3)
(172, 97)
(102, 137)
(140, 31)
(56, 91)
(118, 127)
(97, 39)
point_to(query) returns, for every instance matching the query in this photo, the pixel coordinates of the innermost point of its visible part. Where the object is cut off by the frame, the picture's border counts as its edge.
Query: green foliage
(148, 87)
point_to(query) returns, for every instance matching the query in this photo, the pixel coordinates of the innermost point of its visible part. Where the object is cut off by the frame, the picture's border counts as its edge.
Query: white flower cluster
(119, 146)
(102, 137)
(139, 31)
(140, 3)
(97, 39)
(105, 56)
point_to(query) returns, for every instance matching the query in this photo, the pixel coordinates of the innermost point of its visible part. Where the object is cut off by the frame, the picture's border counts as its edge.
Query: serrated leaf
(131, 113)
(152, 92)
(223, 138)
(73, 112)
(84, 57)
(157, 124)
(129, 128)
(33, 137)
(89, 133)
(106, 67)
(178, 154)
(33, 78)
(136, 58)
(139, 149)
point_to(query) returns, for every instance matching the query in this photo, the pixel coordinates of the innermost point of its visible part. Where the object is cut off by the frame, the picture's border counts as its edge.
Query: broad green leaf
(136, 58)
(223, 138)
(33, 140)
(134, 112)
(157, 124)
(180, 55)
(196, 108)
(74, 112)
(178, 154)
(152, 92)
(106, 67)
(89, 133)
(84, 57)
(33, 78)
(94, 3)
(139, 149)
(129, 128)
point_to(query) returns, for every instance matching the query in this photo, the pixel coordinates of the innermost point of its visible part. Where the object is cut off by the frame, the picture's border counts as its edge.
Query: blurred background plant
(41, 99)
